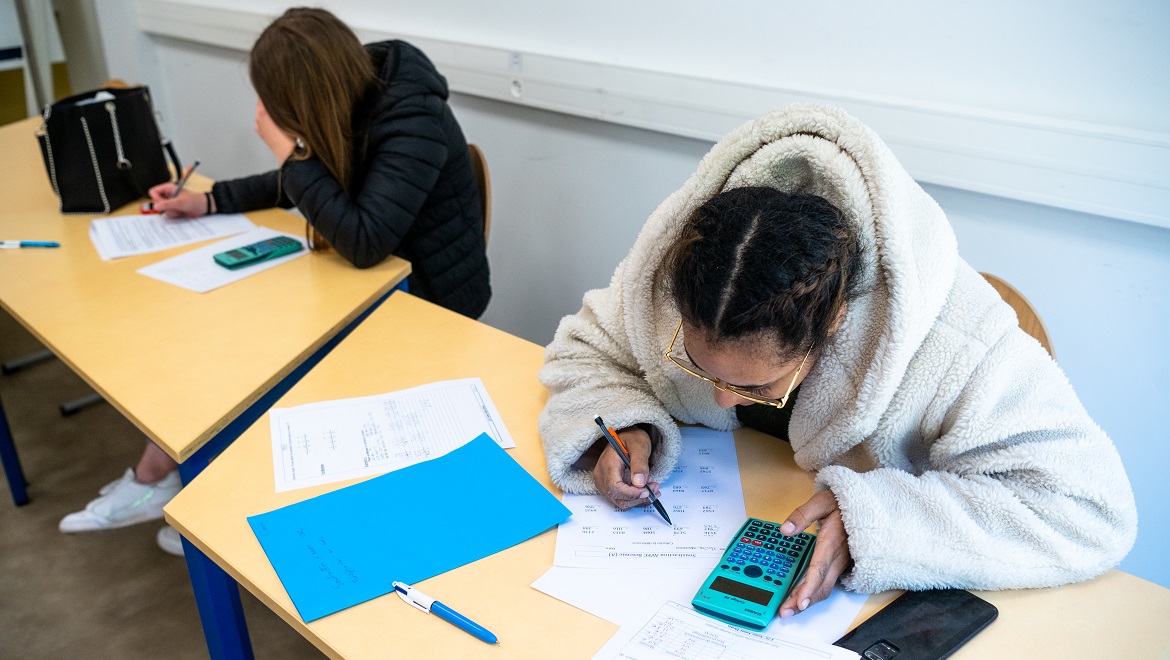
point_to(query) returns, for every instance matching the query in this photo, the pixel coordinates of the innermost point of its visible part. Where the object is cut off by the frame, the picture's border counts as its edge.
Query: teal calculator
(274, 247)
(756, 573)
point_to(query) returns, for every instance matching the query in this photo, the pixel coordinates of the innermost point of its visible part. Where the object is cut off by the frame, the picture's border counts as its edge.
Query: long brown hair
(309, 69)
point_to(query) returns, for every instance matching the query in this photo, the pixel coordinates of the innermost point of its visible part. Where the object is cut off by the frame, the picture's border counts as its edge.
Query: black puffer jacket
(413, 193)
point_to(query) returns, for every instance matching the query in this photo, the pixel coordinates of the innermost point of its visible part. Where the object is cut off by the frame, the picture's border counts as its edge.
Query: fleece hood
(909, 262)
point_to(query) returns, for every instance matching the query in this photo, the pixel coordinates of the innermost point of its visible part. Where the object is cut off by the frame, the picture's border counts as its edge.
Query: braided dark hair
(757, 260)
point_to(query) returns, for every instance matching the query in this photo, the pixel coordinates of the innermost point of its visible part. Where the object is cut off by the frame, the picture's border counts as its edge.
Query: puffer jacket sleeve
(250, 193)
(1021, 489)
(407, 155)
(590, 370)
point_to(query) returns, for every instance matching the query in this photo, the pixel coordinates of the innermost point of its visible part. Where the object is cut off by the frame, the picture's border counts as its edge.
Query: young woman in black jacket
(370, 153)
(372, 156)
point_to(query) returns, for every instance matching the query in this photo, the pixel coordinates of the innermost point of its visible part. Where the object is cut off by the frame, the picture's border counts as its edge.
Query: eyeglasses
(737, 391)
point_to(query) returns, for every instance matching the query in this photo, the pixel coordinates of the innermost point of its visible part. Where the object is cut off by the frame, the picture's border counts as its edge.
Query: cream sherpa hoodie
(955, 446)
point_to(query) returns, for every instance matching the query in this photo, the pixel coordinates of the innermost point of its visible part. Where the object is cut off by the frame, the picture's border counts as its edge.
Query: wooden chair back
(483, 181)
(1029, 320)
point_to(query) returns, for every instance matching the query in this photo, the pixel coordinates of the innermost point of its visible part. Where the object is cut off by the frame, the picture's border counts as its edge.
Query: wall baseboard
(1104, 170)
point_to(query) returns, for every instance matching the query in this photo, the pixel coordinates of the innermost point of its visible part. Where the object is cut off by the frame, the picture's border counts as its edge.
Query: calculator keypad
(762, 552)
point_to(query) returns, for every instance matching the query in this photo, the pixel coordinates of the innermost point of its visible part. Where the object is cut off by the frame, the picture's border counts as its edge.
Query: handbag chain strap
(43, 131)
(93, 158)
(123, 164)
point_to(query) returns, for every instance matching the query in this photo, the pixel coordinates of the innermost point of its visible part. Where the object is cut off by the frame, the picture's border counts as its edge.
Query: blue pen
(419, 600)
(12, 245)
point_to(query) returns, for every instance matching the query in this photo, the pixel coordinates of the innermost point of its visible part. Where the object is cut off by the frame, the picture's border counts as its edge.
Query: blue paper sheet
(348, 546)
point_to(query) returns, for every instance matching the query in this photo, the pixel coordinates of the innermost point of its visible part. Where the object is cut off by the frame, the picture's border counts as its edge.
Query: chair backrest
(1029, 320)
(483, 181)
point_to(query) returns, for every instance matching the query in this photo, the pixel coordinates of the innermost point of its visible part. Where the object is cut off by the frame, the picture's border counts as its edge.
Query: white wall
(570, 193)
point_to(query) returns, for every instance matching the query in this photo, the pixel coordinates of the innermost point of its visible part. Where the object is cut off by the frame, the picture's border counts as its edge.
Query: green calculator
(274, 247)
(756, 573)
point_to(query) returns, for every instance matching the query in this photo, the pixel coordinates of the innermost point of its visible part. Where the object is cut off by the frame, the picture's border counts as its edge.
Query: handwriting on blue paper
(345, 547)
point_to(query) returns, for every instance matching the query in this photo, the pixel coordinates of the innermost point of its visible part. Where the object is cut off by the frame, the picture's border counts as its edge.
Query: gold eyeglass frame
(732, 389)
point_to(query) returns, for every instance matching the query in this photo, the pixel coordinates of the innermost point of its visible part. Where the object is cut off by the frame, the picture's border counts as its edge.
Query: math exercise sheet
(703, 497)
(592, 590)
(320, 443)
(126, 235)
(677, 632)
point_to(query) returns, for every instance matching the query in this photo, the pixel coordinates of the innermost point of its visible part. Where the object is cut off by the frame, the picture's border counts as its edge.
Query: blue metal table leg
(12, 470)
(216, 593)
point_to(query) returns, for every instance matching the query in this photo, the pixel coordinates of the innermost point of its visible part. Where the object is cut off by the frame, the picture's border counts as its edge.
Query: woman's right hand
(188, 204)
(626, 488)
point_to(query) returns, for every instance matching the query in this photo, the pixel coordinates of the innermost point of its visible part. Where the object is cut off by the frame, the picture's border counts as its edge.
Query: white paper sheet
(703, 497)
(197, 271)
(629, 596)
(320, 443)
(676, 632)
(126, 235)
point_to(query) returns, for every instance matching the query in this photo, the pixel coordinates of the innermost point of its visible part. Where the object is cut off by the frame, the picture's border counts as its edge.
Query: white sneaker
(169, 540)
(122, 503)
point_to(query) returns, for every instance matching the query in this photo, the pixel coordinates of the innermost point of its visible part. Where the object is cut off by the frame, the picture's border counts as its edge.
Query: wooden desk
(1115, 616)
(179, 365)
(190, 370)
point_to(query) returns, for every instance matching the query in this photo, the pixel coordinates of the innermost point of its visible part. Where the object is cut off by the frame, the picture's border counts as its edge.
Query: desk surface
(180, 365)
(408, 342)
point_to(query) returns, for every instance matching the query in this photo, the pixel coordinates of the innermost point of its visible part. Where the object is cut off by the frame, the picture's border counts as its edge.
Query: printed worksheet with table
(677, 632)
(330, 441)
(703, 497)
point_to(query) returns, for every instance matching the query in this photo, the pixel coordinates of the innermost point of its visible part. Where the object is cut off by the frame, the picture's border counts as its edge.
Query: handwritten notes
(348, 546)
(703, 496)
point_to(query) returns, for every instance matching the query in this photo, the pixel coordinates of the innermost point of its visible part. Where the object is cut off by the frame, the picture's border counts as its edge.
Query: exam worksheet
(703, 496)
(320, 443)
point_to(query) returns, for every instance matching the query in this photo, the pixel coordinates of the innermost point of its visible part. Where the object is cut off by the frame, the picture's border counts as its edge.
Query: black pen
(616, 443)
(183, 181)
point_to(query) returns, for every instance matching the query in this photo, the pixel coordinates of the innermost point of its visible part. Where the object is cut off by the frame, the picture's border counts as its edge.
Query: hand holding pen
(171, 200)
(628, 450)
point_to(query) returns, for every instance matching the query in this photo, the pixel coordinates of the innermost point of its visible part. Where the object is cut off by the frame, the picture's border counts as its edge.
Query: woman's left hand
(281, 143)
(830, 557)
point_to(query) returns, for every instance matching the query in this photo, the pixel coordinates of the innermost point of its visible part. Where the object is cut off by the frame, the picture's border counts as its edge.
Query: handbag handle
(124, 165)
(170, 149)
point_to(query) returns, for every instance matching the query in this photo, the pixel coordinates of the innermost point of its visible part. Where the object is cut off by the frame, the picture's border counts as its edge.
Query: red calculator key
(745, 540)
(757, 543)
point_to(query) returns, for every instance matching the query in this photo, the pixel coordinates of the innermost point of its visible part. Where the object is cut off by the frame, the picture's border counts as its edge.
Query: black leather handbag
(103, 149)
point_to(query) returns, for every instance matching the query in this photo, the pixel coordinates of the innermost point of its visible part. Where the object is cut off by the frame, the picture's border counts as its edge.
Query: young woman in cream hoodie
(807, 286)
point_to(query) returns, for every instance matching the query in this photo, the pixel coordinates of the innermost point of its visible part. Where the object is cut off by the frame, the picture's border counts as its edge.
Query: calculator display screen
(741, 590)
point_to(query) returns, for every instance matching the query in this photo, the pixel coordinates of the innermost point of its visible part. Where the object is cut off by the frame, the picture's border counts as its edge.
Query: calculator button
(749, 535)
(725, 567)
(769, 546)
(769, 526)
(753, 571)
(793, 553)
(741, 562)
(735, 568)
(771, 571)
(767, 578)
(757, 543)
(745, 540)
